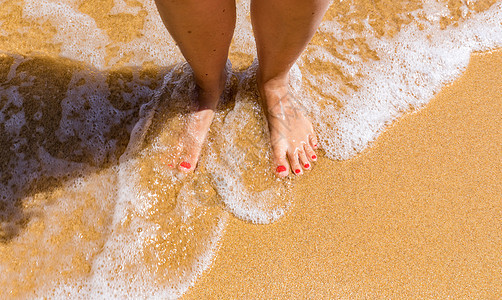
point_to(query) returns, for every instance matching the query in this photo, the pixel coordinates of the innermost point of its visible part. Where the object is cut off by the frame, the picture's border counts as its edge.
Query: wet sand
(417, 215)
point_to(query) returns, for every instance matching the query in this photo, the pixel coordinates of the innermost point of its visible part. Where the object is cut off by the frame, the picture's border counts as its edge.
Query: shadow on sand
(60, 119)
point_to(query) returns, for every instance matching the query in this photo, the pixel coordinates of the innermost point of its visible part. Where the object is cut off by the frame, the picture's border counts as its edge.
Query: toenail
(306, 166)
(314, 157)
(186, 165)
(281, 169)
(170, 166)
(297, 171)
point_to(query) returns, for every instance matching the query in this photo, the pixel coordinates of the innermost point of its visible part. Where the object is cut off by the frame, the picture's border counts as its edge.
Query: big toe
(281, 166)
(189, 161)
(188, 164)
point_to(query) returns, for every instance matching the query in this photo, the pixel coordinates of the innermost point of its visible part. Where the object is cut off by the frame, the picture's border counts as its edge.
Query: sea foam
(129, 227)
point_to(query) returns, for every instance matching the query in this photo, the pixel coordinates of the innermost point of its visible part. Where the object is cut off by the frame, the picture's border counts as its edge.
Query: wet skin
(203, 31)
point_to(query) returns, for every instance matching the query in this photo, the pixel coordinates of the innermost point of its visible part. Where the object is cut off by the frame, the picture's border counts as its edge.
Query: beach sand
(417, 215)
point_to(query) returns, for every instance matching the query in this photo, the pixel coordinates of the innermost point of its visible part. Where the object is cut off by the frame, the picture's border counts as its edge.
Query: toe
(281, 166)
(185, 166)
(309, 152)
(295, 162)
(189, 161)
(166, 162)
(313, 142)
(170, 157)
(304, 160)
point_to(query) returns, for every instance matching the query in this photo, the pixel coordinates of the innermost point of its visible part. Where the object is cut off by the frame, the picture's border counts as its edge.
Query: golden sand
(417, 215)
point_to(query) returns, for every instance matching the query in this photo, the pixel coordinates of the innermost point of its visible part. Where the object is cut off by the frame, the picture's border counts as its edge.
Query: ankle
(273, 92)
(209, 91)
(268, 82)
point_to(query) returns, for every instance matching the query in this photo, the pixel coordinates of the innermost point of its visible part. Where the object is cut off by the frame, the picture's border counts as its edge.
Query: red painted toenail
(186, 165)
(306, 166)
(170, 166)
(281, 169)
(314, 157)
(297, 171)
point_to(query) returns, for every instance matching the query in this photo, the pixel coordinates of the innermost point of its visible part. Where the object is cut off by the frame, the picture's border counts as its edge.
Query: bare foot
(291, 133)
(190, 143)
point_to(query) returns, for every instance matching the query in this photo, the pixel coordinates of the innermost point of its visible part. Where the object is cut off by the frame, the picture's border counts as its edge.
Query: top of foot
(186, 155)
(291, 133)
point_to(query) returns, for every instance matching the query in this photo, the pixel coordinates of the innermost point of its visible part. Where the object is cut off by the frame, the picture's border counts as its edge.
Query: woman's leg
(203, 31)
(282, 29)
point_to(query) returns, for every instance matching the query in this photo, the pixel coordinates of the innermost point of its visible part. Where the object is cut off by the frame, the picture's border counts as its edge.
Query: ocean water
(93, 94)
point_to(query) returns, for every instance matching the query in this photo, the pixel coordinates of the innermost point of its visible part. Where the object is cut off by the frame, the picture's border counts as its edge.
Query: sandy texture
(418, 215)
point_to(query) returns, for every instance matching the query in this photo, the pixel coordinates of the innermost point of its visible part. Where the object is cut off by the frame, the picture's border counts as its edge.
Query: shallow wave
(87, 113)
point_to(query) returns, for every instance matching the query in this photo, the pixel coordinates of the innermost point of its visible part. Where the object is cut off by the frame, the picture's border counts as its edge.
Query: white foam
(121, 7)
(413, 66)
(243, 33)
(15, 123)
(247, 202)
(78, 33)
(123, 248)
(82, 39)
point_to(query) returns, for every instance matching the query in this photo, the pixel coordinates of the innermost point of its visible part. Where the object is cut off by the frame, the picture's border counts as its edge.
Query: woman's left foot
(291, 133)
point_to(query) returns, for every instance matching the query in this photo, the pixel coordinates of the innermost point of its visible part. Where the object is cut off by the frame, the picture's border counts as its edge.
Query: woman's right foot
(190, 143)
